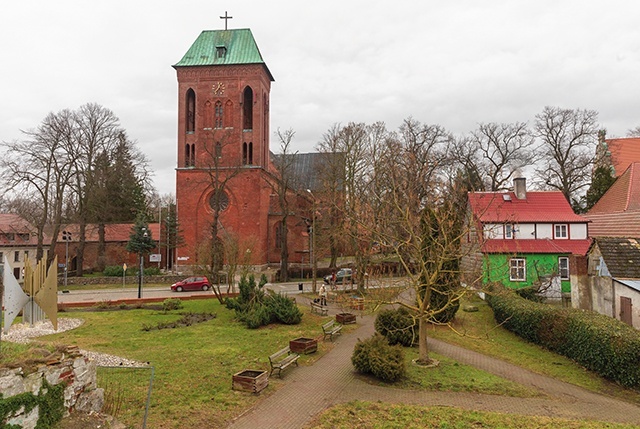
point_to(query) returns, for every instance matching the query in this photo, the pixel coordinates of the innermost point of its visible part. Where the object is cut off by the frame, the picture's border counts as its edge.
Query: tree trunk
(284, 252)
(80, 250)
(423, 351)
(102, 247)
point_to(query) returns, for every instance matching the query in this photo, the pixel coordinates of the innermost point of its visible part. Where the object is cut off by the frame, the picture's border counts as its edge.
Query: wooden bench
(320, 309)
(330, 329)
(282, 359)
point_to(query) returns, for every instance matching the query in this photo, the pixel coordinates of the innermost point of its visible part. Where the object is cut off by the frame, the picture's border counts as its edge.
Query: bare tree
(421, 221)
(38, 171)
(503, 149)
(567, 150)
(282, 186)
(219, 173)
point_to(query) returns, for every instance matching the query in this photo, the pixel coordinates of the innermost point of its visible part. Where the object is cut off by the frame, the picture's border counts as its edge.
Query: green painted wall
(496, 269)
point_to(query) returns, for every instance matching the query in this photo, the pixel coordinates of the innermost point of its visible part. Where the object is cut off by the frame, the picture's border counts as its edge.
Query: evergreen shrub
(600, 343)
(377, 357)
(397, 326)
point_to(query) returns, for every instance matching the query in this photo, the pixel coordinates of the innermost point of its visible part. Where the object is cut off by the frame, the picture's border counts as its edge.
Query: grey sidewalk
(332, 380)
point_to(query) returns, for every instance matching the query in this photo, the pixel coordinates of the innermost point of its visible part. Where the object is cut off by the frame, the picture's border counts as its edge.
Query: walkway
(331, 380)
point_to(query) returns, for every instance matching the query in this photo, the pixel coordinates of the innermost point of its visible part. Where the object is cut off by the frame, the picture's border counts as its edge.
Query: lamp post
(141, 271)
(66, 237)
(314, 261)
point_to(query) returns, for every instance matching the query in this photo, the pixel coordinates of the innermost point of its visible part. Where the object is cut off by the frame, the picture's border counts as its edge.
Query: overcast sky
(455, 63)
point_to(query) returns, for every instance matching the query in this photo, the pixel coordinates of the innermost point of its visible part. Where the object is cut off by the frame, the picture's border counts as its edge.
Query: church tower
(223, 144)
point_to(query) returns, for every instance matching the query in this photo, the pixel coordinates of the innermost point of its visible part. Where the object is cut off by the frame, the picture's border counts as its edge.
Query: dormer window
(221, 51)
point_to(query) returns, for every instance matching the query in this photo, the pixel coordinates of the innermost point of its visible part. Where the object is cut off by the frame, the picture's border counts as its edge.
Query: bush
(152, 271)
(171, 304)
(600, 343)
(113, 271)
(375, 356)
(397, 326)
(284, 310)
(255, 308)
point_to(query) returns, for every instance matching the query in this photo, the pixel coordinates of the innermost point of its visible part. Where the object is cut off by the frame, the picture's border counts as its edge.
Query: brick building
(225, 167)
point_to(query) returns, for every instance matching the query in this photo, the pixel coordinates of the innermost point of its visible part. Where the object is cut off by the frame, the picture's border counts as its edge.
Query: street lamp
(314, 262)
(66, 237)
(141, 271)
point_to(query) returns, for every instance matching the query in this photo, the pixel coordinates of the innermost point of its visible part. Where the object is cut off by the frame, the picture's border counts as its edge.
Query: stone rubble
(24, 332)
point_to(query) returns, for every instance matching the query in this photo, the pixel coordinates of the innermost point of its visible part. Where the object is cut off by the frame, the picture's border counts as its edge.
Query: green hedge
(600, 343)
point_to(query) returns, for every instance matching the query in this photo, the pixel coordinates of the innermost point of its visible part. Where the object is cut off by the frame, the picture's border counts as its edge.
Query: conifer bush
(397, 326)
(377, 357)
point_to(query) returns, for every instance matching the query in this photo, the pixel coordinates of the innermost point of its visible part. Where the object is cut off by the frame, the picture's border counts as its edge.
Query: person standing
(323, 295)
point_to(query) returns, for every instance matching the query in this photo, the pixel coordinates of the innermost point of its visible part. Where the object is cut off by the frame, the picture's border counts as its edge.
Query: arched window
(218, 115)
(218, 150)
(250, 154)
(244, 153)
(187, 155)
(190, 118)
(247, 109)
(193, 155)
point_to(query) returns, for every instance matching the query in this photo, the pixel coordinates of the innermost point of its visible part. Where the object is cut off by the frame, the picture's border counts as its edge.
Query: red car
(191, 283)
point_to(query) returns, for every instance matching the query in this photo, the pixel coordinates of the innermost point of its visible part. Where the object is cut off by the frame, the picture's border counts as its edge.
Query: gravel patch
(23, 333)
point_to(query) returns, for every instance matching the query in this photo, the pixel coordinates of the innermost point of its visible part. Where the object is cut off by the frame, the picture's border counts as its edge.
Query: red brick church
(224, 163)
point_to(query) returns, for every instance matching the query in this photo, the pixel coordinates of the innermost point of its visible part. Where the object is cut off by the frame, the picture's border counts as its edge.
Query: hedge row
(601, 344)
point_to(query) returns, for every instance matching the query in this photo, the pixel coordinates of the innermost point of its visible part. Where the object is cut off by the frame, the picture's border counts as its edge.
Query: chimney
(520, 188)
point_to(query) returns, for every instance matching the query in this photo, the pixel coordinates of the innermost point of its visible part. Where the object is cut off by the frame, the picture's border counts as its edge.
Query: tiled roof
(23, 233)
(622, 256)
(623, 195)
(572, 247)
(623, 152)
(239, 45)
(119, 232)
(538, 206)
(620, 224)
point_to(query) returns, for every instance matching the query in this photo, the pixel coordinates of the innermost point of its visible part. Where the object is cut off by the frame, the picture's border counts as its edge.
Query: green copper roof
(223, 47)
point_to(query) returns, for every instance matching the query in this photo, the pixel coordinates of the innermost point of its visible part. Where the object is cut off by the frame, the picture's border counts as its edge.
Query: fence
(127, 393)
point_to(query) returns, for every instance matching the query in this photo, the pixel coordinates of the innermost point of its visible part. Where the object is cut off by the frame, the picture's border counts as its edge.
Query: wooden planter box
(250, 380)
(303, 345)
(345, 318)
(357, 304)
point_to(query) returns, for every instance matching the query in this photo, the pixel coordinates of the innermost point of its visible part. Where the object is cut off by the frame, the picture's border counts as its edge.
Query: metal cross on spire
(226, 19)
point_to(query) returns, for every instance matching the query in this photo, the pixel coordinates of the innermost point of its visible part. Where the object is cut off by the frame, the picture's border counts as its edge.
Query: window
(517, 270)
(561, 231)
(26, 255)
(191, 111)
(509, 231)
(563, 267)
(247, 109)
(221, 51)
(218, 150)
(16, 256)
(218, 115)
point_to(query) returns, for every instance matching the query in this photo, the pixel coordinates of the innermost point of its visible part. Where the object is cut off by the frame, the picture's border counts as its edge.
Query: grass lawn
(361, 415)
(193, 365)
(478, 331)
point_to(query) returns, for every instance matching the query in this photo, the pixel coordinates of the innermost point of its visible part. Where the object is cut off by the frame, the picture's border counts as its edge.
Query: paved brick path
(331, 380)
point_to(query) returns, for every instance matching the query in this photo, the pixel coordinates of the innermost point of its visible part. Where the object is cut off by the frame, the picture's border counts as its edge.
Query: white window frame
(563, 272)
(519, 267)
(508, 231)
(561, 231)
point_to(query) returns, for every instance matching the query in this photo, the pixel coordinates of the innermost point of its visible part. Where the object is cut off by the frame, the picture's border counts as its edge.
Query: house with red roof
(618, 154)
(612, 283)
(525, 238)
(18, 243)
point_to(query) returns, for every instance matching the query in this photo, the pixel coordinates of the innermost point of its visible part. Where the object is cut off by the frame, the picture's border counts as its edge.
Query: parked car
(191, 283)
(342, 276)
